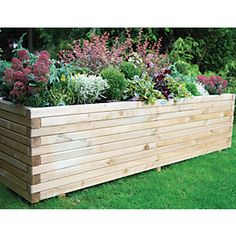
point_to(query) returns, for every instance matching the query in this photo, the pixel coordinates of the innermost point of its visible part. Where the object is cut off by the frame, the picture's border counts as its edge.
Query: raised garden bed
(45, 152)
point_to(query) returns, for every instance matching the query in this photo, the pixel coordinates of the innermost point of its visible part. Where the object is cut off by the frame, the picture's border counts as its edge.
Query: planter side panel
(81, 146)
(15, 150)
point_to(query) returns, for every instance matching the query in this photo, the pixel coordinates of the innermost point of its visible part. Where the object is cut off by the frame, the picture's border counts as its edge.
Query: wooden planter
(45, 152)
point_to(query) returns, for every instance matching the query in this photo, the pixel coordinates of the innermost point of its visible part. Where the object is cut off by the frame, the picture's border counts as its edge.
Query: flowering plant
(95, 53)
(26, 81)
(213, 84)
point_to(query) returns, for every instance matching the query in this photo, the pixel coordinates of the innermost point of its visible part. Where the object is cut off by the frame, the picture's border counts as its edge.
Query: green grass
(206, 182)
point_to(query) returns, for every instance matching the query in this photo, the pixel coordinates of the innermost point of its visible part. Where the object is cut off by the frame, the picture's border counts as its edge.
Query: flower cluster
(25, 78)
(95, 53)
(213, 84)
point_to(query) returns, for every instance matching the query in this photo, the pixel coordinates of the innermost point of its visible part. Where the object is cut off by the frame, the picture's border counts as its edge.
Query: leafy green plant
(142, 89)
(129, 69)
(116, 81)
(185, 49)
(61, 94)
(178, 89)
(182, 68)
(88, 89)
(192, 88)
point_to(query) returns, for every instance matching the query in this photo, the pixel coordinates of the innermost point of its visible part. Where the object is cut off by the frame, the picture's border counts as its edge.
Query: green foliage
(57, 70)
(61, 96)
(116, 81)
(178, 89)
(129, 69)
(192, 88)
(142, 89)
(185, 49)
(210, 49)
(88, 89)
(181, 67)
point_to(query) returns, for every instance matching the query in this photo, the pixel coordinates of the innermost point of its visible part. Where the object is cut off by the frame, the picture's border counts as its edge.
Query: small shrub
(129, 69)
(213, 84)
(178, 89)
(192, 88)
(142, 89)
(88, 89)
(116, 81)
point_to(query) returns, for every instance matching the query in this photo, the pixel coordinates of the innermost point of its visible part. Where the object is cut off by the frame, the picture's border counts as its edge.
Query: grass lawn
(206, 182)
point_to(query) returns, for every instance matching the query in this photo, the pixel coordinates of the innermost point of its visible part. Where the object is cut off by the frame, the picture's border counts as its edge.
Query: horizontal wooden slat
(15, 170)
(89, 108)
(48, 158)
(186, 156)
(15, 154)
(80, 143)
(4, 173)
(77, 167)
(25, 194)
(71, 160)
(13, 108)
(15, 145)
(142, 159)
(13, 161)
(66, 137)
(15, 118)
(111, 176)
(62, 120)
(15, 136)
(123, 121)
(21, 129)
(130, 142)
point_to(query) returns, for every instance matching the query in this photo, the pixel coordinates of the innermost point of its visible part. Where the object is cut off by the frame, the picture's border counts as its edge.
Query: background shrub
(129, 69)
(116, 81)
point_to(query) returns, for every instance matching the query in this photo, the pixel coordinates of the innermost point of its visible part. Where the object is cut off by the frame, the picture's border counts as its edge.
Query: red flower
(8, 75)
(19, 90)
(214, 84)
(27, 70)
(40, 69)
(20, 76)
(16, 64)
(23, 55)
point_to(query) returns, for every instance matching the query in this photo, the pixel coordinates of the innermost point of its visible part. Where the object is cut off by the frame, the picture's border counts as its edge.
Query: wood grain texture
(45, 152)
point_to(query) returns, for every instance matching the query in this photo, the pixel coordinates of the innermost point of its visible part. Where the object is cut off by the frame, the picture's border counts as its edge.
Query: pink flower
(16, 64)
(23, 55)
(19, 90)
(27, 70)
(40, 69)
(8, 75)
(20, 76)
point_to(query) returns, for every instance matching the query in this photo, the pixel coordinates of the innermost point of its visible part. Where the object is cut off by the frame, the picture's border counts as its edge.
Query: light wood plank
(108, 177)
(14, 162)
(63, 120)
(76, 167)
(21, 129)
(123, 121)
(65, 137)
(89, 108)
(15, 145)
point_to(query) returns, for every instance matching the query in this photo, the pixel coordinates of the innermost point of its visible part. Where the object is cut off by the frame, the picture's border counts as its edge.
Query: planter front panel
(45, 152)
